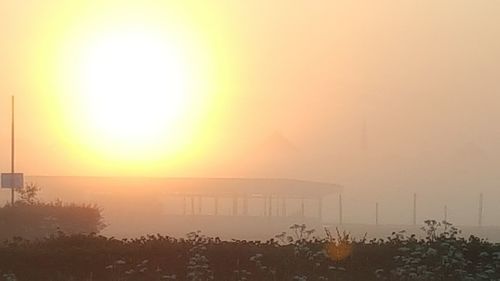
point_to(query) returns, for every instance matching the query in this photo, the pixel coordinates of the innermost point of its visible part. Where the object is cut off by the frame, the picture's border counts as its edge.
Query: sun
(135, 87)
(138, 92)
(139, 88)
(135, 92)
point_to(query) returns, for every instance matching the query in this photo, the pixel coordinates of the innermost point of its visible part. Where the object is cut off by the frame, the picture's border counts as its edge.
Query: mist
(385, 99)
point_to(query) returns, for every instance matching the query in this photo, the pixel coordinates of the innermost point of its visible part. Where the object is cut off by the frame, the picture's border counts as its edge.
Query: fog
(384, 98)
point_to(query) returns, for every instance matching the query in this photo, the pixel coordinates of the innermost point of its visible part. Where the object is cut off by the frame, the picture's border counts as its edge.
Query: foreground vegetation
(31, 219)
(296, 255)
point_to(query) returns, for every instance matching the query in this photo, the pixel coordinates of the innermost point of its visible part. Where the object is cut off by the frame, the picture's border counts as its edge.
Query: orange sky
(424, 75)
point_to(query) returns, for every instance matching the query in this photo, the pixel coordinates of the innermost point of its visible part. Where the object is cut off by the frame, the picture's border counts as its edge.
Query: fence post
(480, 218)
(414, 209)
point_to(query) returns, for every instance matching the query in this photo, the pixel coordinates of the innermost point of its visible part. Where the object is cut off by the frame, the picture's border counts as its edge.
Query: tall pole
(480, 219)
(12, 154)
(376, 213)
(414, 209)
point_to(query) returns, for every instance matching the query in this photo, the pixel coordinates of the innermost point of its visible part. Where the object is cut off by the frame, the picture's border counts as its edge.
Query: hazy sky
(296, 84)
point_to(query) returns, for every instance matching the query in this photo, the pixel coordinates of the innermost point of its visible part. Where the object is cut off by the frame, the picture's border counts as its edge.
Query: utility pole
(12, 153)
(376, 213)
(414, 209)
(12, 180)
(480, 219)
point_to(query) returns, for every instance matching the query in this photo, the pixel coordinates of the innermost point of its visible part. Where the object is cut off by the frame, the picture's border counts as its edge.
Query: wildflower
(484, 254)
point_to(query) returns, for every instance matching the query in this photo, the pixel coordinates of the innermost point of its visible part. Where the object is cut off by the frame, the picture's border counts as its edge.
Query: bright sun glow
(135, 87)
(143, 88)
(136, 93)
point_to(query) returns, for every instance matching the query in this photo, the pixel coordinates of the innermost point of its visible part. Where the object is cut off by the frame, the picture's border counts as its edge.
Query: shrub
(38, 220)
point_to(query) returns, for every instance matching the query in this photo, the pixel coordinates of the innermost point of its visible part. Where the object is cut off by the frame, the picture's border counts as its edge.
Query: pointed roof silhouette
(277, 144)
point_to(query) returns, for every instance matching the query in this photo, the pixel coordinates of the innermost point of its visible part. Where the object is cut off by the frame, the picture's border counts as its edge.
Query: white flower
(484, 254)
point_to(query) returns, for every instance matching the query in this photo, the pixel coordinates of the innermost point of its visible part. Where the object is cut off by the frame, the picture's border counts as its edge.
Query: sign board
(12, 180)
